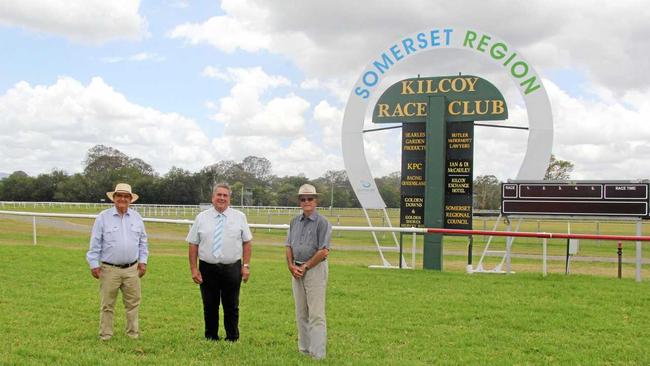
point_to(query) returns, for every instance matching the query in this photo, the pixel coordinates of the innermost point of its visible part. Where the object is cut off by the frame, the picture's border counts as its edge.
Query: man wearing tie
(221, 241)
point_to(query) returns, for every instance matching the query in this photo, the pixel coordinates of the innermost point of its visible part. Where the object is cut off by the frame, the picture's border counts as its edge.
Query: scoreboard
(575, 198)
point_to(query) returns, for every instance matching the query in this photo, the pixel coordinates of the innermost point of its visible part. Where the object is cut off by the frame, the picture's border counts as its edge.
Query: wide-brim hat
(307, 190)
(122, 188)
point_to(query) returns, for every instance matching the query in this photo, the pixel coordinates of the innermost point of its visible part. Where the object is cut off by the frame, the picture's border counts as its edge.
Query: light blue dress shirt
(235, 233)
(117, 239)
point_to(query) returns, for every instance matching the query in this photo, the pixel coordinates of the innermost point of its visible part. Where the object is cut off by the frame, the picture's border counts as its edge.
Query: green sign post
(446, 174)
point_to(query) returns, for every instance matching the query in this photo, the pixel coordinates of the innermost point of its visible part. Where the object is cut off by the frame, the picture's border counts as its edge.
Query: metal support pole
(34, 229)
(566, 263)
(484, 228)
(401, 250)
(469, 253)
(544, 242)
(338, 222)
(620, 259)
(508, 243)
(639, 257)
(332, 196)
(413, 250)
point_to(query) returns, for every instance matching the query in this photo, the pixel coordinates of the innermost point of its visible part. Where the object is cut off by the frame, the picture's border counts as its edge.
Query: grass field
(48, 315)
(455, 247)
(49, 308)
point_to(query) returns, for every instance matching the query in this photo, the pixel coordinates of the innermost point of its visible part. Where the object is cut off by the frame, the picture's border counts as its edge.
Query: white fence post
(413, 251)
(544, 256)
(34, 229)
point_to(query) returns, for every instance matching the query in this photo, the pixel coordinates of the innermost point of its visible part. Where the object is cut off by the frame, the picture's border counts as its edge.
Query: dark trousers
(221, 283)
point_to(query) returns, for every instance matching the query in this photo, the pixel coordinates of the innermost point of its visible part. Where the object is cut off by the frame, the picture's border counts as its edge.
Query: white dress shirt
(236, 232)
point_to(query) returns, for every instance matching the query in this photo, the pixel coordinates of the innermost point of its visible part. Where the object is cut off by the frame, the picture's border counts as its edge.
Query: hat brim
(134, 197)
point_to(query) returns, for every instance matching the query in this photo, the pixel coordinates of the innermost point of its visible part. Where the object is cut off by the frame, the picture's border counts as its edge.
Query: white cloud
(605, 138)
(215, 73)
(330, 120)
(244, 112)
(382, 150)
(137, 57)
(604, 131)
(228, 33)
(81, 20)
(300, 155)
(53, 126)
(334, 86)
(335, 39)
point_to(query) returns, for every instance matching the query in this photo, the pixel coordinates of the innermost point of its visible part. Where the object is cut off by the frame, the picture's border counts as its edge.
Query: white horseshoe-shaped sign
(538, 106)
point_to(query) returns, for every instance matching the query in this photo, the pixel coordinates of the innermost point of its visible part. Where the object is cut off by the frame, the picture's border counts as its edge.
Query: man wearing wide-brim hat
(308, 243)
(118, 258)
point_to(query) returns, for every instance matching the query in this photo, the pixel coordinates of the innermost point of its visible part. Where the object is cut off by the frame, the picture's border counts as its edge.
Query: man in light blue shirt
(118, 242)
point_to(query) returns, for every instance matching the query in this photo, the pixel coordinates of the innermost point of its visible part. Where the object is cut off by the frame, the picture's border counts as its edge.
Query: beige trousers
(111, 280)
(309, 297)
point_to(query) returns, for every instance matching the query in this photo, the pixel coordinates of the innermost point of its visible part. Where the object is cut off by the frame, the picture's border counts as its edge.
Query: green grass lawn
(49, 312)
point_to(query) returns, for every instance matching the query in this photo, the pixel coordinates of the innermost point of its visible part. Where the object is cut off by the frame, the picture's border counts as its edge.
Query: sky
(190, 83)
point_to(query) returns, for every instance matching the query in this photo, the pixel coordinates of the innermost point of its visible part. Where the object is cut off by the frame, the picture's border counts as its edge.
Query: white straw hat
(122, 188)
(307, 190)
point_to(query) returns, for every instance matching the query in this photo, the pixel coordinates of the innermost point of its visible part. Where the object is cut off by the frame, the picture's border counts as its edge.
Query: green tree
(257, 179)
(487, 192)
(106, 166)
(211, 175)
(179, 186)
(558, 169)
(45, 185)
(101, 159)
(76, 189)
(258, 168)
(18, 187)
(336, 182)
(389, 188)
(286, 189)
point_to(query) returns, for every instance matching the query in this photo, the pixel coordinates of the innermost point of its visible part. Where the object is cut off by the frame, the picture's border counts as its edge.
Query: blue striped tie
(217, 239)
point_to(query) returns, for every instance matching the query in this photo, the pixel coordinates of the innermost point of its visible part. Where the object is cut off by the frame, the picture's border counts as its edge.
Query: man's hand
(196, 276)
(142, 269)
(297, 271)
(245, 273)
(96, 272)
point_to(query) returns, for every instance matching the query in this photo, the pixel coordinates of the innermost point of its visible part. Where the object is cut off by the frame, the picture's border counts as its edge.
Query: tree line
(252, 180)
